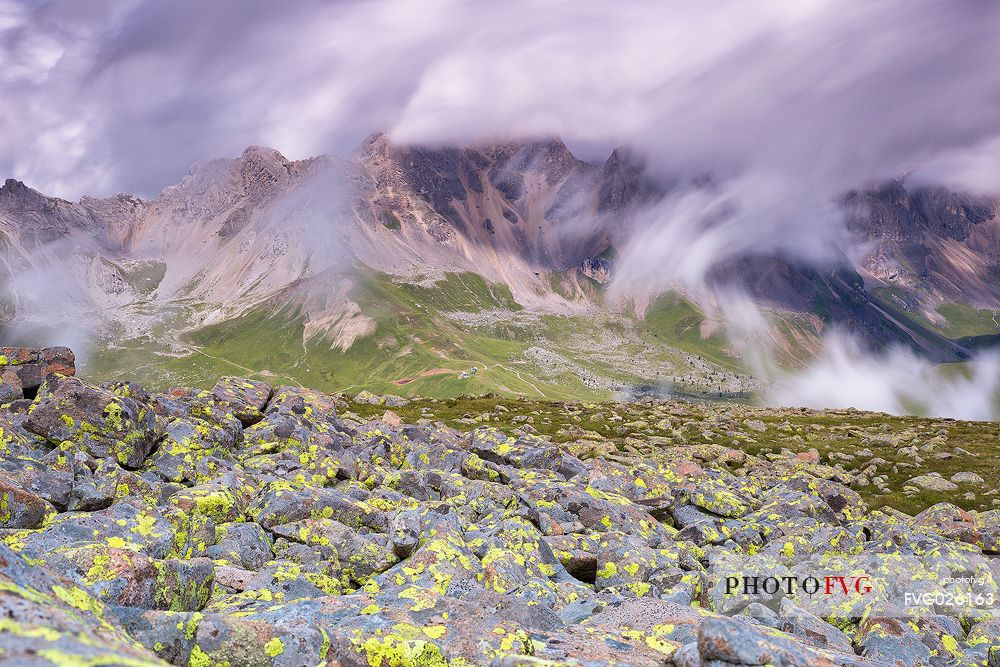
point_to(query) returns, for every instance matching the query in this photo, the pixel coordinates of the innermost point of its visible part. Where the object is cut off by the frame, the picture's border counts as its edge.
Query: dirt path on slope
(434, 371)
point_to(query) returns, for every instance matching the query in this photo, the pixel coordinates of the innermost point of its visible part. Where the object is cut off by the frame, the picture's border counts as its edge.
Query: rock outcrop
(22, 369)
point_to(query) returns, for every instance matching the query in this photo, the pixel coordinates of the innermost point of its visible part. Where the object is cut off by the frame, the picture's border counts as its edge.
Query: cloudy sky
(806, 96)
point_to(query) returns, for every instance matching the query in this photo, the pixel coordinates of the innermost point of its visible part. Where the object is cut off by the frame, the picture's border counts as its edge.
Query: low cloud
(896, 381)
(123, 96)
(50, 301)
(698, 226)
(845, 373)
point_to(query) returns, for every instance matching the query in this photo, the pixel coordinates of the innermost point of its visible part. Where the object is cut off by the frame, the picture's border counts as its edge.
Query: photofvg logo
(811, 586)
(960, 583)
(793, 585)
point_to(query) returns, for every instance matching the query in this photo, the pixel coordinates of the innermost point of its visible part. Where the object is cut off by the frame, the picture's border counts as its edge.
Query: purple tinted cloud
(124, 96)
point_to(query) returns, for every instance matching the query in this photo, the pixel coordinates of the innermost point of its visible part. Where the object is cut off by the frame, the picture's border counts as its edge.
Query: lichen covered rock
(247, 525)
(102, 422)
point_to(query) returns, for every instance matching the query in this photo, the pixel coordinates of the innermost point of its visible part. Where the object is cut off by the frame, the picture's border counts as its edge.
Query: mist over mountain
(525, 244)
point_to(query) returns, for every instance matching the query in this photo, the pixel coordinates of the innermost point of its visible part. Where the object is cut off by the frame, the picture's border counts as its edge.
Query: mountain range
(443, 271)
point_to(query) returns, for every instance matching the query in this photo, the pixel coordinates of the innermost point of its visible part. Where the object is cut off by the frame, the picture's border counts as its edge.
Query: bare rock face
(938, 243)
(509, 198)
(597, 269)
(33, 219)
(624, 182)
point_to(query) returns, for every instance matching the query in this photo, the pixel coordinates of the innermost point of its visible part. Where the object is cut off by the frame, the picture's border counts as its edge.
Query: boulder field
(251, 525)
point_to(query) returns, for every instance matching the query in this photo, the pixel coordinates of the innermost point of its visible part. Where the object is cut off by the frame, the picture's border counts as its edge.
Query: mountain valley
(461, 271)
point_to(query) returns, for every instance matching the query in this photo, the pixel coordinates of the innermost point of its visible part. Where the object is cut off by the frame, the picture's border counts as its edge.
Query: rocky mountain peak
(262, 164)
(263, 153)
(376, 143)
(624, 181)
(15, 195)
(263, 170)
(212, 187)
(244, 228)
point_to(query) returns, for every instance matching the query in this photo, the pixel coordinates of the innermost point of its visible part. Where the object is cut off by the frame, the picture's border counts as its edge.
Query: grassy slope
(414, 341)
(409, 340)
(961, 320)
(412, 337)
(966, 322)
(676, 320)
(673, 318)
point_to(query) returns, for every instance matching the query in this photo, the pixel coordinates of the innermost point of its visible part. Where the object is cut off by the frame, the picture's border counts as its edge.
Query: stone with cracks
(103, 423)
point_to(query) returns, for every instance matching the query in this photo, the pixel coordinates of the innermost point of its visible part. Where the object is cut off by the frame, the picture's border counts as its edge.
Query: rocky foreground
(251, 525)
